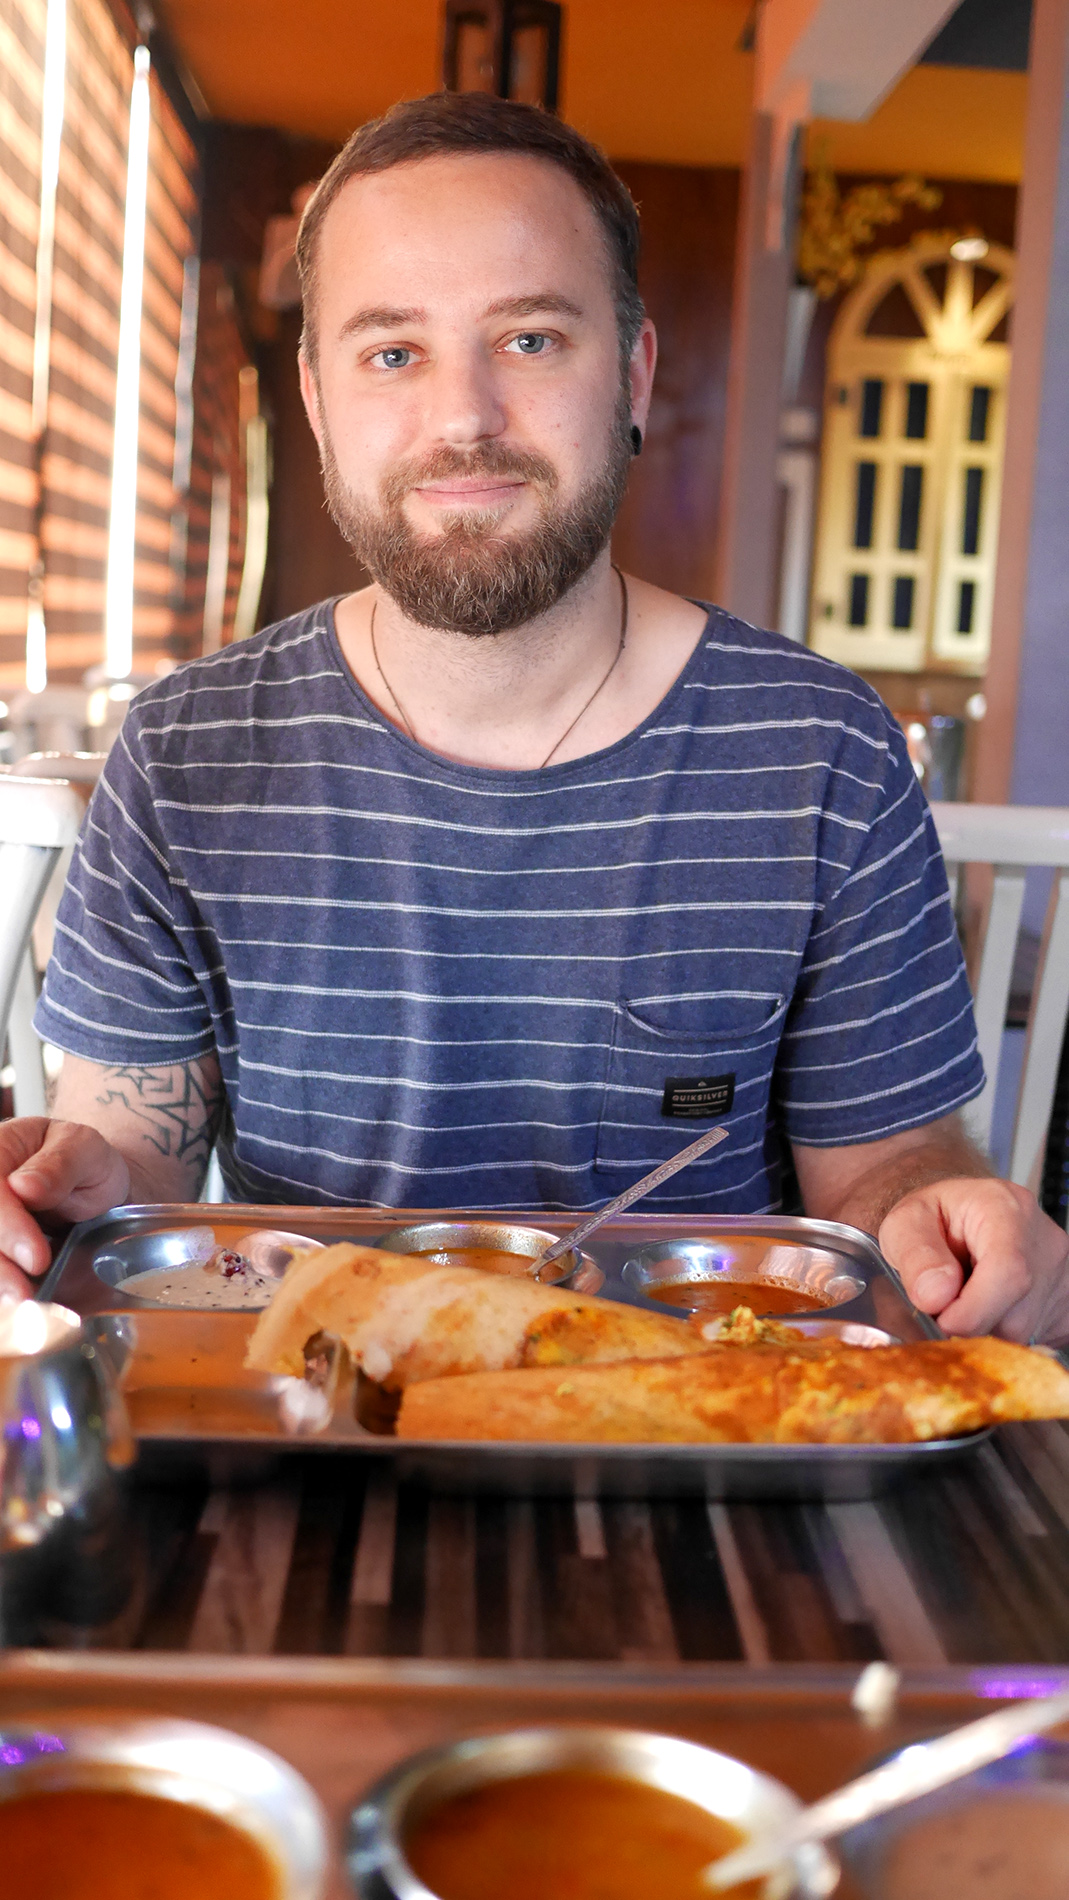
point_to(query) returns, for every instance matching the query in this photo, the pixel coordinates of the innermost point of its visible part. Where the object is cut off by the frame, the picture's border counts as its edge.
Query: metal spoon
(915, 1772)
(573, 1241)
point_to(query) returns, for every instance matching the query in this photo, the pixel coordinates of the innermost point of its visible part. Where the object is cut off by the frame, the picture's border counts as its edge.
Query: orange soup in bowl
(573, 1834)
(109, 1843)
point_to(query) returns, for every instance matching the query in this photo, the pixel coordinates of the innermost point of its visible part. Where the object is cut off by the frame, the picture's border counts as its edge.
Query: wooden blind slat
(87, 283)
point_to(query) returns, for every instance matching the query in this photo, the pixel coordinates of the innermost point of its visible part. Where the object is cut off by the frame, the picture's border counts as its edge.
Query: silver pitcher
(64, 1437)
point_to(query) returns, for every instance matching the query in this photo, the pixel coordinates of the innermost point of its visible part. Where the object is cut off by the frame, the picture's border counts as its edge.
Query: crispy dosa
(403, 1319)
(752, 1395)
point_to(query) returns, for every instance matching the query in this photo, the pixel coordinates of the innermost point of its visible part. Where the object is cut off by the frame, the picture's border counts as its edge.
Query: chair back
(42, 799)
(39, 819)
(1014, 839)
(56, 717)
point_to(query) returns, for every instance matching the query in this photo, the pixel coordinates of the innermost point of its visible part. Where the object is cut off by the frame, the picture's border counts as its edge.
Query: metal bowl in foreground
(994, 1835)
(719, 1784)
(190, 1762)
(444, 1237)
(816, 1273)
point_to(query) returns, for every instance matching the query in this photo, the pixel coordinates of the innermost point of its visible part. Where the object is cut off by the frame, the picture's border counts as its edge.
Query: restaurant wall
(667, 528)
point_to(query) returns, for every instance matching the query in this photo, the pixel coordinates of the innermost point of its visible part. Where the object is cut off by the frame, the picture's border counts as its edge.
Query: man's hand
(975, 1253)
(1018, 1259)
(50, 1168)
(120, 1134)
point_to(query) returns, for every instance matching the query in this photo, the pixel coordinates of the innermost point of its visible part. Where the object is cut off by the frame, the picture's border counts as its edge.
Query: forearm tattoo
(177, 1110)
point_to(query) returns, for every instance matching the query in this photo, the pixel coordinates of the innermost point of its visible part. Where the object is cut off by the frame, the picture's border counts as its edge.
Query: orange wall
(655, 80)
(944, 120)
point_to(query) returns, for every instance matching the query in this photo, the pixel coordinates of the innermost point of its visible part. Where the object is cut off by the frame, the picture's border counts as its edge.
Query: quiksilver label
(697, 1098)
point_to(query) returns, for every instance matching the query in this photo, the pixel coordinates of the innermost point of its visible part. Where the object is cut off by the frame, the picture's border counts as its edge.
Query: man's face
(471, 413)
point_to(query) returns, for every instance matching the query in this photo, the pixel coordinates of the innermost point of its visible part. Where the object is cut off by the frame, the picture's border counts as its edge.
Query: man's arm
(115, 1134)
(974, 1252)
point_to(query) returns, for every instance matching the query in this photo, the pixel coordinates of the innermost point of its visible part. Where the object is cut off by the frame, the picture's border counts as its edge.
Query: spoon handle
(915, 1772)
(711, 1139)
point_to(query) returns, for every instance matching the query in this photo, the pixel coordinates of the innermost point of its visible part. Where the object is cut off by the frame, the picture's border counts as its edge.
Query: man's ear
(310, 395)
(641, 368)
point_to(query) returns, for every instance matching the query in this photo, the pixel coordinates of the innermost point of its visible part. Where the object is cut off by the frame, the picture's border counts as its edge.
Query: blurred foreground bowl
(233, 1779)
(722, 1786)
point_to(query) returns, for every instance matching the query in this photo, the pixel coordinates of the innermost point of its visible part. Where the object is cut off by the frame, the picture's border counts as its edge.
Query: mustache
(485, 459)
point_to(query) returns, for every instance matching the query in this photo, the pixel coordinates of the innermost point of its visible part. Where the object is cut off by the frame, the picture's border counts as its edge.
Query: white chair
(55, 718)
(70, 777)
(39, 821)
(1014, 839)
(80, 770)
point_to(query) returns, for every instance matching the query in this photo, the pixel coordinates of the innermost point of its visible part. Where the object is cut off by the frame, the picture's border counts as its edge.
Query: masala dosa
(806, 1394)
(403, 1319)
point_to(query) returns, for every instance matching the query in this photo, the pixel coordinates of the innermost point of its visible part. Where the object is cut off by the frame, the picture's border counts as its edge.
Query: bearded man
(477, 887)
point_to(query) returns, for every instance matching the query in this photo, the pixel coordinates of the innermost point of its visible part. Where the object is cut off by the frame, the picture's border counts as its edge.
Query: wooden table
(315, 1559)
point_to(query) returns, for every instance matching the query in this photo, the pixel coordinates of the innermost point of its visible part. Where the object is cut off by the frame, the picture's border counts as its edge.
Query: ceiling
(660, 80)
(992, 33)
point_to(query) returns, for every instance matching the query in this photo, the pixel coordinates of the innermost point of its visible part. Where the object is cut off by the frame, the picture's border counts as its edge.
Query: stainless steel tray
(190, 1396)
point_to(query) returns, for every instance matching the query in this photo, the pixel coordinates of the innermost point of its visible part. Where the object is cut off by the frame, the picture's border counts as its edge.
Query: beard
(470, 578)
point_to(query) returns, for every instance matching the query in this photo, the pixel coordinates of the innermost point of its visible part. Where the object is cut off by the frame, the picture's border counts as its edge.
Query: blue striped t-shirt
(441, 985)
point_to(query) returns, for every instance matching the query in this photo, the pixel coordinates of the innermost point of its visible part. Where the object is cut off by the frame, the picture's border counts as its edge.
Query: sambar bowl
(718, 1784)
(444, 1237)
(193, 1763)
(814, 1273)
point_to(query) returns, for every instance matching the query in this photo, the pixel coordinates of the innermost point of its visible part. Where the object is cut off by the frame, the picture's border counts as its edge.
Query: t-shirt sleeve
(880, 1035)
(119, 987)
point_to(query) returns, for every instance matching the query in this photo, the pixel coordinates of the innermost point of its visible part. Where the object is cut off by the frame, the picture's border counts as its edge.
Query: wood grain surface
(323, 1554)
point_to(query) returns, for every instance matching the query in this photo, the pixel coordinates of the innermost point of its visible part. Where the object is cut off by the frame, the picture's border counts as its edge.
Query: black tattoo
(179, 1109)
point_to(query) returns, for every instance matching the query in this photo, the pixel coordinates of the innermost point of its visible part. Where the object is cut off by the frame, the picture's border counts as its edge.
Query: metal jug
(63, 1439)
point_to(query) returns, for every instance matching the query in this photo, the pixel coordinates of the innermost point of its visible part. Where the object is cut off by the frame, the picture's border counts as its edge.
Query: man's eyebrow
(549, 302)
(386, 317)
(382, 318)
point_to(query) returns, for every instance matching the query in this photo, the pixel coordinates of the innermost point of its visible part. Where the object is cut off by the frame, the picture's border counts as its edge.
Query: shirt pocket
(729, 1047)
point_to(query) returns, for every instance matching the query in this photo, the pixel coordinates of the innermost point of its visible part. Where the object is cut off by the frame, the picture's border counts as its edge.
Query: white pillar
(749, 504)
(1023, 754)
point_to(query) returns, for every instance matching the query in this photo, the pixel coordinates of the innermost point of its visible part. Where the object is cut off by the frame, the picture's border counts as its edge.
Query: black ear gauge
(636, 439)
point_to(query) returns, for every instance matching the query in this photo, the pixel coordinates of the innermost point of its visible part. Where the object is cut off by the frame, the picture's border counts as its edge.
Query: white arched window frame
(912, 463)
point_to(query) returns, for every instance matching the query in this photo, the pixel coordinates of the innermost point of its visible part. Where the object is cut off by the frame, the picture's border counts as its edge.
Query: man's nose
(463, 404)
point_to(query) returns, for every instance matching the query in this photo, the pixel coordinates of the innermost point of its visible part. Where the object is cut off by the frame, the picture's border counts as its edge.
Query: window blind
(85, 328)
(22, 28)
(87, 281)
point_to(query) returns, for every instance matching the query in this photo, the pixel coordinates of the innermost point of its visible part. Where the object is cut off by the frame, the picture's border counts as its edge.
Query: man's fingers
(74, 1173)
(1017, 1279)
(14, 1282)
(914, 1240)
(56, 1168)
(995, 1294)
(21, 1240)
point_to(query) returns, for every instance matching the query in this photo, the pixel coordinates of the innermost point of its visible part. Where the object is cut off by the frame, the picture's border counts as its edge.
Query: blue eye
(397, 357)
(531, 343)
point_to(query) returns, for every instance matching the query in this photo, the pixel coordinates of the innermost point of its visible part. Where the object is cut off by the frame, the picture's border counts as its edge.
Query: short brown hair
(477, 122)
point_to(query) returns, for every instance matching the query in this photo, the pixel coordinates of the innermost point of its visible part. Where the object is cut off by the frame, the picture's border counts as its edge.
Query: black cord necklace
(583, 710)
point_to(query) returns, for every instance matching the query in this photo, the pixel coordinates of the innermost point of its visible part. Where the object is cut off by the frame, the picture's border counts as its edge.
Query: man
(480, 886)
